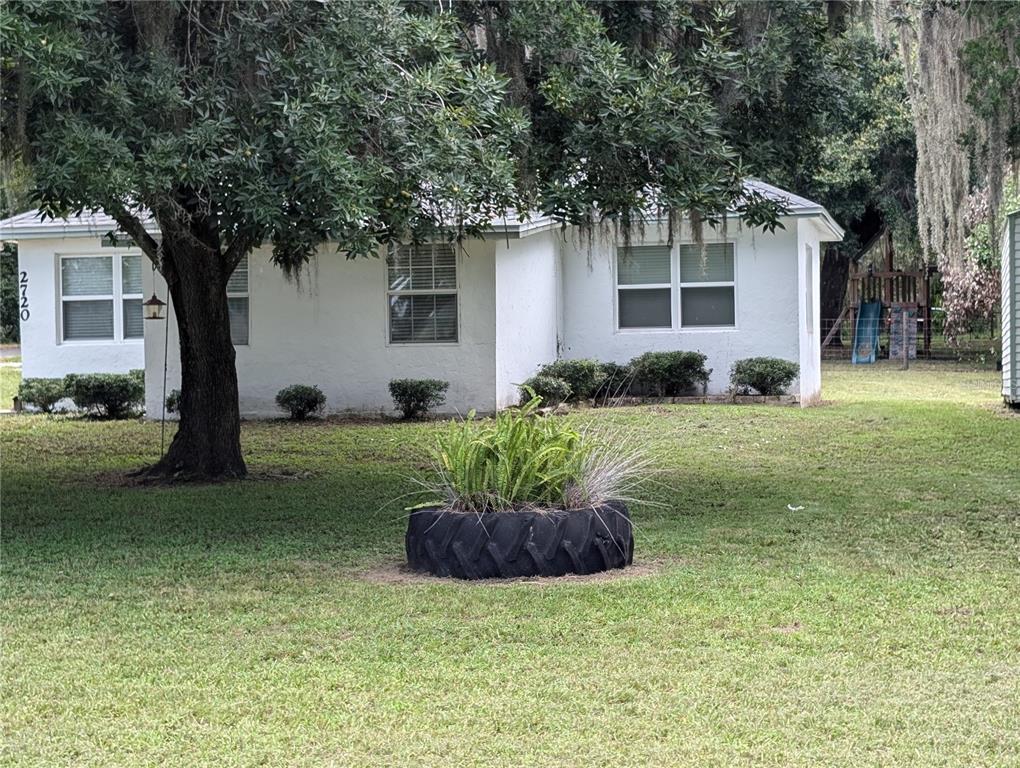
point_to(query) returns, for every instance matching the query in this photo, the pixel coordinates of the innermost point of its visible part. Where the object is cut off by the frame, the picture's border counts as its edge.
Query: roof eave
(16, 233)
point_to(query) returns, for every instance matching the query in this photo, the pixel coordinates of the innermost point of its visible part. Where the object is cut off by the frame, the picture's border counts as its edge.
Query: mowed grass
(10, 380)
(837, 586)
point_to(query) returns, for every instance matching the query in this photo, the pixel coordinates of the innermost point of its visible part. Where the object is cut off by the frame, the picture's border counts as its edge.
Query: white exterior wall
(1011, 309)
(527, 310)
(330, 329)
(809, 319)
(769, 305)
(43, 353)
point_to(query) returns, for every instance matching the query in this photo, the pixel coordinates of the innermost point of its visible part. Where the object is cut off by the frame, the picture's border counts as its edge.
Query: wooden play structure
(900, 293)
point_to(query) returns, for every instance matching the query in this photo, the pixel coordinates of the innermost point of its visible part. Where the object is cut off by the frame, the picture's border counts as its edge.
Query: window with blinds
(238, 304)
(131, 295)
(421, 294)
(707, 285)
(644, 287)
(101, 297)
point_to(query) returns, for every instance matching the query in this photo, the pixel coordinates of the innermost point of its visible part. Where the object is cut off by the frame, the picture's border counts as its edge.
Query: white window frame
(392, 293)
(714, 284)
(676, 297)
(671, 285)
(117, 298)
(246, 294)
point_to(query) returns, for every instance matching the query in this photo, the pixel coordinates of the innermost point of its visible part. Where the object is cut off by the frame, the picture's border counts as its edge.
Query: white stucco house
(483, 316)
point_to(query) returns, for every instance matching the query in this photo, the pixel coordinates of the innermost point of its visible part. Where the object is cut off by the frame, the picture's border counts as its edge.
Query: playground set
(892, 299)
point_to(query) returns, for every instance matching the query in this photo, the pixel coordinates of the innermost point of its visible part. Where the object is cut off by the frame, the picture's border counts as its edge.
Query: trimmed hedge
(42, 393)
(301, 400)
(551, 389)
(669, 374)
(416, 397)
(173, 401)
(108, 395)
(584, 377)
(765, 375)
(616, 381)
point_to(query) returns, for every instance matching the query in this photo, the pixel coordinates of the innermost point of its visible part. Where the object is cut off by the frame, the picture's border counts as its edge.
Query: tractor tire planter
(519, 543)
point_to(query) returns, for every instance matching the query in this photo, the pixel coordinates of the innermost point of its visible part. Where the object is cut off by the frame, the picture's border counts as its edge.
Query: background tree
(292, 124)
(962, 70)
(822, 110)
(14, 195)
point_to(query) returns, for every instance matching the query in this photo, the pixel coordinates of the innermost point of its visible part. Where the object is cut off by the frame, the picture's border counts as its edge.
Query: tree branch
(132, 224)
(236, 251)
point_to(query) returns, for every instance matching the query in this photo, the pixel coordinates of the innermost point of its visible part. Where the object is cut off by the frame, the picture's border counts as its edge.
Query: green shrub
(173, 401)
(416, 397)
(110, 395)
(301, 400)
(583, 376)
(42, 393)
(668, 374)
(765, 375)
(551, 389)
(616, 380)
(519, 460)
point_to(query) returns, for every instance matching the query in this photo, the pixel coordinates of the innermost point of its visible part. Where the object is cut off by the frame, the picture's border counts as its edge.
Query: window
(101, 297)
(707, 295)
(237, 303)
(131, 295)
(644, 287)
(421, 296)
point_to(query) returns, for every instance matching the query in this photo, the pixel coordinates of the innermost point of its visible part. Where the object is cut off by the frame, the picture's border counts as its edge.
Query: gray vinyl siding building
(1011, 310)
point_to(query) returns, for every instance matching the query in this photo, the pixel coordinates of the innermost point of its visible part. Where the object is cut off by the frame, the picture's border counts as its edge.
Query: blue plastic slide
(866, 335)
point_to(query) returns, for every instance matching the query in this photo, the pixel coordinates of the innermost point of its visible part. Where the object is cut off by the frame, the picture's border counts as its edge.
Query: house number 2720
(23, 292)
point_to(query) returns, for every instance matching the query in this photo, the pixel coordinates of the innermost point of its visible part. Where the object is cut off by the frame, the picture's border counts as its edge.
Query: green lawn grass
(10, 380)
(872, 622)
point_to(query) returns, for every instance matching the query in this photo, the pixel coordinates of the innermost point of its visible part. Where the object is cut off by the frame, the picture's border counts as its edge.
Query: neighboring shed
(1011, 310)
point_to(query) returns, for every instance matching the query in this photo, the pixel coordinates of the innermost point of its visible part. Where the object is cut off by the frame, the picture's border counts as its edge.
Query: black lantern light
(154, 308)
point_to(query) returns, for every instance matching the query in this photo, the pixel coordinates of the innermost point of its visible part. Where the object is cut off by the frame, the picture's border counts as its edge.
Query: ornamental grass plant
(522, 460)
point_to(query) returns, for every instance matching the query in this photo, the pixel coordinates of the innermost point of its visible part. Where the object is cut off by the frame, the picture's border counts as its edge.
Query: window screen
(87, 276)
(88, 313)
(707, 306)
(707, 287)
(715, 267)
(238, 304)
(644, 287)
(131, 293)
(88, 320)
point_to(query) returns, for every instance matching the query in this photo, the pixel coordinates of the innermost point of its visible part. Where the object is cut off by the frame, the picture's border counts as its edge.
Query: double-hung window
(644, 287)
(656, 284)
(421, 296)
(237, 303)
(101, 297)
(707, 287)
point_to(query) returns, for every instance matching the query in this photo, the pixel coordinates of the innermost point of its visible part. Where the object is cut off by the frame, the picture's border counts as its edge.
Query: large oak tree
(293, 124)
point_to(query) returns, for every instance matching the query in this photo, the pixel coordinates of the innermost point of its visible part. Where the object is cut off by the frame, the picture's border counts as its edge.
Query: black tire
(522, 543)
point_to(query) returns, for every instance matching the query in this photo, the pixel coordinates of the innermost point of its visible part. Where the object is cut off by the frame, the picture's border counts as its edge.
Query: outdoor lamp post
(154, 308)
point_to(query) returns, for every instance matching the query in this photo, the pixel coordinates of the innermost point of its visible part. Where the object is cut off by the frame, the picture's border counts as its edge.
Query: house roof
(796, 205)
(31, 224)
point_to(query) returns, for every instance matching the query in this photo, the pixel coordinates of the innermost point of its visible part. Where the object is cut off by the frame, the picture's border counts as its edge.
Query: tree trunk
(835, 271)
(207, 445)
